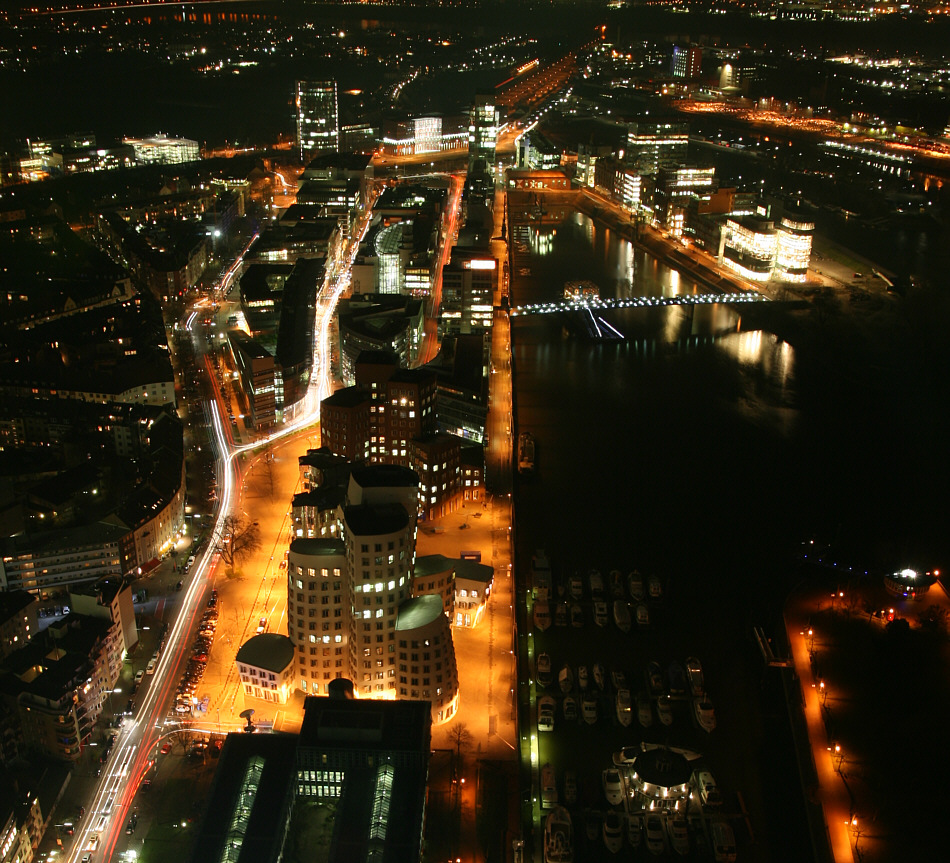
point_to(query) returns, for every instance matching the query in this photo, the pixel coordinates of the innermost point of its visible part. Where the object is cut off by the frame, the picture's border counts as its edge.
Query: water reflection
(581, 249)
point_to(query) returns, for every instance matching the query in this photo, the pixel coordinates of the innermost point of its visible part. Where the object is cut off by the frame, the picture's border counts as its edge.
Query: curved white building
(427, 669)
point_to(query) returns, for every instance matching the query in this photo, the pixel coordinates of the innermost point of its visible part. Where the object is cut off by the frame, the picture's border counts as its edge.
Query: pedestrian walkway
(831, 793)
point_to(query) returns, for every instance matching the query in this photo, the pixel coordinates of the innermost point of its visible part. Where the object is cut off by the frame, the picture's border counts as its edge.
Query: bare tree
(461, 737)
(240, 538)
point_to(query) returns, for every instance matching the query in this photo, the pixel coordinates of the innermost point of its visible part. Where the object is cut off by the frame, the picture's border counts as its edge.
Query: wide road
(134, 747)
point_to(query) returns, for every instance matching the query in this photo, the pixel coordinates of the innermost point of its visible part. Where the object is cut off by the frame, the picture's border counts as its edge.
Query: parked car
(261, 625)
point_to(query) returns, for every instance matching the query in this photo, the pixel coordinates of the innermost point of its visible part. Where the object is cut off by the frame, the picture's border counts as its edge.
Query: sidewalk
(831, 793)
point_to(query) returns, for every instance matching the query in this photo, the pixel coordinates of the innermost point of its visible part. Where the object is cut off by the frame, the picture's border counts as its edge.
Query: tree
(240, 538)
(460, 737)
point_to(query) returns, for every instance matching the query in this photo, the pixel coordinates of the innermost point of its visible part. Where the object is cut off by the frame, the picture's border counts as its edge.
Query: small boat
(570, 787)
(613, 831)
(560, 614)
(664, 709)
(569, 707)
(634, 831)
(679, 836)
(677, 676)
(526, 452)
(654, 587)
(624, 707)
(600, 613)
(643, 615)
(654, 678)
(565, 679)
(577, 616)
(589, 710)
(542, 614)
(558, 837)
(622, 615)
(616, 584)
(582, 678)
(644, 710)
(576, 586)
(600, 677)
(635, 585)
(694, 676)
(544, 674)
(596, 581)
(705, 714)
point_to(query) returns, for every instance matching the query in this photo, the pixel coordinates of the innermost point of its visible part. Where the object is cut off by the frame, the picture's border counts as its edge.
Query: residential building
(473, 584)
(258, 376)
(265, 664)
(435, 574)
(18, 621)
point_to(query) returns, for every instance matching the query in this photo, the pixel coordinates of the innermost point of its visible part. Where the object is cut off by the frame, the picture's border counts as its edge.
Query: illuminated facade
(793, 250)
(318, 123)
(750, 246)
(652, 145)
(483, 130)
(160, 149)
(426, 654)
(687, 62)
(266, 667)
(468, 290)
(755, 248)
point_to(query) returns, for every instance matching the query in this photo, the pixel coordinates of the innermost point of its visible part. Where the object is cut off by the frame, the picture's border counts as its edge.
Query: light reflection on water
(581, 249)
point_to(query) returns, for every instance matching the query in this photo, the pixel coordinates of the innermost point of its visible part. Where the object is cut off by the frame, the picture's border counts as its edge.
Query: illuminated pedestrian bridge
(592, 304)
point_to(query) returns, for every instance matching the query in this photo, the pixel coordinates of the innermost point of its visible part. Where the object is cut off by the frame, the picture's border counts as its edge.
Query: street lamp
(822, 692)
(838, 757)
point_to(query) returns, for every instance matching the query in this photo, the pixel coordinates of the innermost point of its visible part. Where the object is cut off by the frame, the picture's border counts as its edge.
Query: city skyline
(558, 383)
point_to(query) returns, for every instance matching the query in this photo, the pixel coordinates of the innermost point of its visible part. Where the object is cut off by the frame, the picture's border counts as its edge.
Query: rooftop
(419, 611)
(270, 651)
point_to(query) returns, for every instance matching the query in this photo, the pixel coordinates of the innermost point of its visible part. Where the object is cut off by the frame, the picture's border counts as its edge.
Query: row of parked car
(199, 657)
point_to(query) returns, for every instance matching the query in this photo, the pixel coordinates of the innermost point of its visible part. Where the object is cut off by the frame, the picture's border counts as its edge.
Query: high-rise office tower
(318, 117)
(482, 131)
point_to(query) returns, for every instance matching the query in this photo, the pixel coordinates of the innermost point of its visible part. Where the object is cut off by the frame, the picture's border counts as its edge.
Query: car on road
(613, 786)
(166, 748)
(131, 824)
(140, 675)
(261, 625)
(546, 713)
